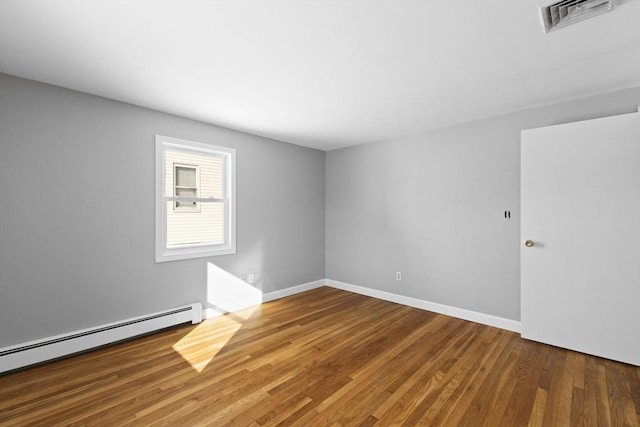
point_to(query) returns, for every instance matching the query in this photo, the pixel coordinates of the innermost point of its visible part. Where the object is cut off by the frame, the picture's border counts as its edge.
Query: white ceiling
(323, 74)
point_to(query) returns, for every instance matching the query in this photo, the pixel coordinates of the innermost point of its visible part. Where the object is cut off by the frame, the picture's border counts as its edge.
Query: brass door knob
(528, 243)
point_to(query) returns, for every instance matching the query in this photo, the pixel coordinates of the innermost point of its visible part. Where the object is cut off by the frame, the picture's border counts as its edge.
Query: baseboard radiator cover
(38, 351)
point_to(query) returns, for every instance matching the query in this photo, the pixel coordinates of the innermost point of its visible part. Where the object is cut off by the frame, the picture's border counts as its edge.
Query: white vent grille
(566, 12)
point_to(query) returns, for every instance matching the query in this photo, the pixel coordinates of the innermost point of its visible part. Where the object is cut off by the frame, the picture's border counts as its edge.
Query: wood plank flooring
(326, 358)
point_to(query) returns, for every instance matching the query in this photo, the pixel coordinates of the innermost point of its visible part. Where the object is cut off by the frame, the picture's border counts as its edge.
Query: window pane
(211, 178)
(205, 226)
(211, 172)
(186, 176)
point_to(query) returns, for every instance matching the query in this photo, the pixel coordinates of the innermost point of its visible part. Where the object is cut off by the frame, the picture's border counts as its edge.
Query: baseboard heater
(30, 353)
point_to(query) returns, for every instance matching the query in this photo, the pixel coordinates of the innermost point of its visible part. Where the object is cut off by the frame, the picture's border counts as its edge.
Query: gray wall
(432, 206)
(77, 212)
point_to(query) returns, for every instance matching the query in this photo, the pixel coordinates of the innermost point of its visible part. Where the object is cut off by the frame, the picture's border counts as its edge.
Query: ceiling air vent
(566, 12)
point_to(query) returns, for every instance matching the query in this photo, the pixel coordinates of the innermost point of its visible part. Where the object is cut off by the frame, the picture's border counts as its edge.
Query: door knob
(528, 243)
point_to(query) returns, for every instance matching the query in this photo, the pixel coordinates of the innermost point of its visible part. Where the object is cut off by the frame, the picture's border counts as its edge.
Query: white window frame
(173, 253)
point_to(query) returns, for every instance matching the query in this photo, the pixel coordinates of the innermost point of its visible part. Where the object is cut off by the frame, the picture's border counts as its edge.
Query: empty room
(320, 213)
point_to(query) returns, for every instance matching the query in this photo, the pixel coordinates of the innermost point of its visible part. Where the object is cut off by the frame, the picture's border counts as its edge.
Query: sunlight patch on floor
(200, 346)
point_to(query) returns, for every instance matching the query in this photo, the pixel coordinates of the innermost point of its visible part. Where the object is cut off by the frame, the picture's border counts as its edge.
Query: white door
(580, 208)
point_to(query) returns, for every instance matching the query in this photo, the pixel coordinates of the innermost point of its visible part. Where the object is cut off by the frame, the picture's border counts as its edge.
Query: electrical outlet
(251, 278)
(398, 275)
(243, 277)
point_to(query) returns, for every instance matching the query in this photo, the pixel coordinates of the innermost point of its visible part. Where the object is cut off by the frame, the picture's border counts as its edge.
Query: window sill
(193, 252)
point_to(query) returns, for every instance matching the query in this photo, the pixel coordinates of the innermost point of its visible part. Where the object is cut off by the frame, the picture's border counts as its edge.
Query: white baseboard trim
(211, 312)
(460, 313)
(271, 296)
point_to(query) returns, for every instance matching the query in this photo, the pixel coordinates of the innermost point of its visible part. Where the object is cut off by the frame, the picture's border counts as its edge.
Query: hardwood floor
(326, 357)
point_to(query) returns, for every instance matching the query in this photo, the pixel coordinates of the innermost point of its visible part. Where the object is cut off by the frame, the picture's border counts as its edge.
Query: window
(195, 199)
